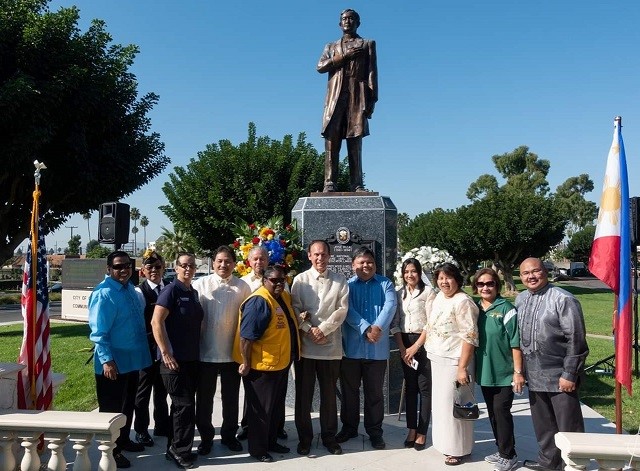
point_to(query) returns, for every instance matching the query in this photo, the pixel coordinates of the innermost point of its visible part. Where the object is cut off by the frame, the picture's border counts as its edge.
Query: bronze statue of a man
(352, 92)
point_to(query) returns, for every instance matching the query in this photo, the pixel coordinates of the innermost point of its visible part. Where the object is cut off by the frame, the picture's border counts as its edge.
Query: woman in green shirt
(498, 364)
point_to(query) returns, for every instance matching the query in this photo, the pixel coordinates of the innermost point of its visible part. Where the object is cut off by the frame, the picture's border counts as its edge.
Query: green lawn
(69, 345)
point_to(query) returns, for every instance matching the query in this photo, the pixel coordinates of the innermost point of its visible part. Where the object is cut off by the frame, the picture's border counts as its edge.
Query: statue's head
(349, 20)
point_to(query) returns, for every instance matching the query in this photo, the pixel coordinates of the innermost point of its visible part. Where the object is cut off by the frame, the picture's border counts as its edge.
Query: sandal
(452, 460)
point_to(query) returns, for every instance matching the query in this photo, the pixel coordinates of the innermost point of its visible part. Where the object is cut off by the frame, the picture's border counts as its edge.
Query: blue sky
(459, 81)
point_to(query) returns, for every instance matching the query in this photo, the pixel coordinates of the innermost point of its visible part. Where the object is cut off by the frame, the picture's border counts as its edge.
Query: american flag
(34, 382)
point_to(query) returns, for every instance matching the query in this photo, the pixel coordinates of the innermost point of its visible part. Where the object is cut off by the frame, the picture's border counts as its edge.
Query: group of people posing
(179, 339)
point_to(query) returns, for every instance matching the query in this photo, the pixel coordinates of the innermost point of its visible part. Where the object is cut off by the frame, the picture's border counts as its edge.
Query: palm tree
(170, 244)
(87, 217)
(144, 222)
(134, 214)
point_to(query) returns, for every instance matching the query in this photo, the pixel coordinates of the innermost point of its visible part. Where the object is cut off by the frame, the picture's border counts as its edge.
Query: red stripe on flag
(603, 262)
(623, 346)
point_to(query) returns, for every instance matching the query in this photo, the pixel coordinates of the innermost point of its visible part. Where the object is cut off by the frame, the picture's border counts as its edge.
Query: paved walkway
(358, 453)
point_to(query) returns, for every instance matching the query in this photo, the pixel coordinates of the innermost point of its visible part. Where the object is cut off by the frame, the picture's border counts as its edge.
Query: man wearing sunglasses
(116, 319)
(150, 380)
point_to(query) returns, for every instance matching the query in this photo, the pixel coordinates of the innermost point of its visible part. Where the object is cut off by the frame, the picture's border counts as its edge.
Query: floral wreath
(283, 244)
(429, 258)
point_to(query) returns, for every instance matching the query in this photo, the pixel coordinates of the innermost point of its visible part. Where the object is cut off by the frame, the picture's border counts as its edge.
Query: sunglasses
(121, 266)
(276, 281)
(157, 266)
(488, 284)
(184, 266)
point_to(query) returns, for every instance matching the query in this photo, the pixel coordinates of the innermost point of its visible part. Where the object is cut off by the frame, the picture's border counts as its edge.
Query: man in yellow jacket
(266, 343)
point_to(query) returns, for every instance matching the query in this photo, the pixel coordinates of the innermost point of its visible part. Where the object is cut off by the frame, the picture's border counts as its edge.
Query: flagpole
(35, 217)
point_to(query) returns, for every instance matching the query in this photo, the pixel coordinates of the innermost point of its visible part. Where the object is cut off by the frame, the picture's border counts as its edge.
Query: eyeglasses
(276, 281)
(488, 284)
(157, 266)
(184, 266)
(121, 266)
(535, 271)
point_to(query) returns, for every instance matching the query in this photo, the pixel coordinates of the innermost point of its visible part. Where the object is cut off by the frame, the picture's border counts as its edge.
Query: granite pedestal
(363, 218)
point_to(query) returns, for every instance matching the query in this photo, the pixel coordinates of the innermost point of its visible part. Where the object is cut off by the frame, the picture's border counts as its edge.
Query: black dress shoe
(282, 434)
(531, 464)
(132, 446)
(277, 448)
(303, 449)
(144, 439)
(232, 444)
(342, 436)
(378, 443)
(419, 446)
(205, 447)
(180, 461)
(244, 434)
(121, 460)
(333, 448)
(266, 458)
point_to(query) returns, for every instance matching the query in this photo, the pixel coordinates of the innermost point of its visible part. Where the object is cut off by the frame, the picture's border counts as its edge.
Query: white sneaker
(493, 458)
(506, 464)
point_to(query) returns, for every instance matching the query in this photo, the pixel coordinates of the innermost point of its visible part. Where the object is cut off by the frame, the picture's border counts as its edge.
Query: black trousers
(327, 372)
(230, 391)
(118, 395)
(181, 386)
(371, 374)
(265, 392)
(552, 413)
(417, 388)
(150, 381)
(499, 401)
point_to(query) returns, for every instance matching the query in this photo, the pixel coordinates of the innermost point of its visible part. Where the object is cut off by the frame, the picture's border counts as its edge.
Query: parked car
(578, 269)
(55, 287)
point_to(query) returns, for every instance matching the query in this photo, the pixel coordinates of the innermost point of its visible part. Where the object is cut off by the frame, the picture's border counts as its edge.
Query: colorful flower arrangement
(282, 242)
(429, 258)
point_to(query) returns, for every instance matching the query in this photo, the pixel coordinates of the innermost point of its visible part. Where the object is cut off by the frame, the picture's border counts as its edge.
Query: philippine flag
(610, 258)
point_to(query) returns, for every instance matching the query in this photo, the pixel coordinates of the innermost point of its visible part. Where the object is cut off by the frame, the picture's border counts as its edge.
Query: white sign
(75, 304)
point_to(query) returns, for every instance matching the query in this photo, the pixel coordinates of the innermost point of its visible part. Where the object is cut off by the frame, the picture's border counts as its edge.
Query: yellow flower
(289, 259)
(245, 250)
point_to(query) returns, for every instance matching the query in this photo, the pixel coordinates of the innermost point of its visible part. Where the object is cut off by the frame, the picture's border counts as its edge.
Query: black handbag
(468, 410)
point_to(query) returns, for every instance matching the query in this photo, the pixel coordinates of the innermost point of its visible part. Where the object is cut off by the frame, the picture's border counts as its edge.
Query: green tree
(95, 250)
(68, 99)
(254, 181)
(579, 246)
(570, 196)
(134, 214)
(144, 222)
(73, 247)
(171, 243)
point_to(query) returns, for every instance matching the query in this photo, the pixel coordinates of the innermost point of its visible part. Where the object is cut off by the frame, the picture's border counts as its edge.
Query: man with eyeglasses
(554, 348)
(220, 295)
(116, 319)
(265, 345)
(150, 380)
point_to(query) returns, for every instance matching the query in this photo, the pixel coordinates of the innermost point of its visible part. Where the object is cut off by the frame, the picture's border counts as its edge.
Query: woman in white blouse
(451, 335)
(414, 304)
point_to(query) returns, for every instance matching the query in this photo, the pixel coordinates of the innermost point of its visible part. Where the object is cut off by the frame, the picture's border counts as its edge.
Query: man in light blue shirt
(365, 340)
(116, 319)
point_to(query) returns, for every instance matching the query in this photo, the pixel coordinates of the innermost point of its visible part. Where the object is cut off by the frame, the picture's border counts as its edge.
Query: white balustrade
(55, 428)
(611, 452)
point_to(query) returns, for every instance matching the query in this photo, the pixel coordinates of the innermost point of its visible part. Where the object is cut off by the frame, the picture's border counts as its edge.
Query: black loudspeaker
(635, 219)
(114, 223)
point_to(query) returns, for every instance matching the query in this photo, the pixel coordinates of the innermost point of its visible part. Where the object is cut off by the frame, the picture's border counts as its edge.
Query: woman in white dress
(450, 337)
